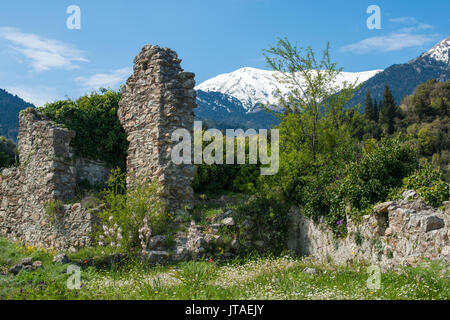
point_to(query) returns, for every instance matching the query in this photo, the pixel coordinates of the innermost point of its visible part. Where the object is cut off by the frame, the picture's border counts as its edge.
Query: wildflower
(340, 222)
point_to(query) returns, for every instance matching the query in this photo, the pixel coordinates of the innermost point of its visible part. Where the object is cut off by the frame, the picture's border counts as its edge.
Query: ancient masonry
(48, 171)
(158, 99)
(397, 233)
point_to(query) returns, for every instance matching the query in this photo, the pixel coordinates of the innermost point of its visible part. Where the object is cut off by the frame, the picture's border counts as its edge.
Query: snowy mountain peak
(441, 51)
(252, 86)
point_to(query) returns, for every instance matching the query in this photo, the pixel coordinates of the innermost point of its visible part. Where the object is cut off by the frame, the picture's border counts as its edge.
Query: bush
(429, 185)
(7, 152)
(53, 210)
(99, 134)
(264, 218)
(130, 209)
(379, 170)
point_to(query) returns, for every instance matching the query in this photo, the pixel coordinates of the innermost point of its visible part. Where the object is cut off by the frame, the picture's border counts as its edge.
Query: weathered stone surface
(16, 269)
(156, 257)
(61, 258)
(158, 99)
(47, 172)
(228, 222)
(382, 207)
(402, 232)
(27, 261)
(310, 271)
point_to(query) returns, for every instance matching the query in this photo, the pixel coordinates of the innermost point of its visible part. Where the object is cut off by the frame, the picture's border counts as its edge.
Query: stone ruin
(48, 171)
(397, 233)
(157, 99)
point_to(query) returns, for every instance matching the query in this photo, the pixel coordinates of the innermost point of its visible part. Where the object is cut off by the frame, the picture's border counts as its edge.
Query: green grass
(245, 278)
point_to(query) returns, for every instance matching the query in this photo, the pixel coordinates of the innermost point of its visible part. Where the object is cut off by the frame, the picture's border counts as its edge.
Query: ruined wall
(158, 99)
(47, 172)
(398, 233)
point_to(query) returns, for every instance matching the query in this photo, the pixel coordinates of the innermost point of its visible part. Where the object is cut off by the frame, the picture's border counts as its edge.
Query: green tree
(314, 117)
(7, 152)
(388, 111)
(369, 110)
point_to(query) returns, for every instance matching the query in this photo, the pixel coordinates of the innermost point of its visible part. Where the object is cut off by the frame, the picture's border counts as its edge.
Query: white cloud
(37, 95)
(405, 37)
(404, 20)
(391, 42)
(105, 80)
(43, 54)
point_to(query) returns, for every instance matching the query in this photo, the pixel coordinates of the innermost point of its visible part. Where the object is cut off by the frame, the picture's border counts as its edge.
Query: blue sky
(42, 60)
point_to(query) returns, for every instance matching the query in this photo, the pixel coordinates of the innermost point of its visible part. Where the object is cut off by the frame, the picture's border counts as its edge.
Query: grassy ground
(249, 278)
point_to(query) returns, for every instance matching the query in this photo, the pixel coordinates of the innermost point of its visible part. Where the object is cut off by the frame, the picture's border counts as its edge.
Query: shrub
(53, 209)
(379, 170)
(99, 134)
(7, 152)
(264, 218)
(126, 212)
(429, 185)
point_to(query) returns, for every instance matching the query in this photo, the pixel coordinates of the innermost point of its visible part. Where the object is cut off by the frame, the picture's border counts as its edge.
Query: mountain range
(233, 100)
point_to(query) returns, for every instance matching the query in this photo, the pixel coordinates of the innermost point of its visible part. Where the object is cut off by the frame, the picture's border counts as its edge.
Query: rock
(16, 269)
(27, 261)
(235, 245)
(228, 222)
(432, 222)
(310, 271)
(28, 267)
(156, 257)
(259, 243)
(409, 195)
(388, 232)
(37, 264)
(157, 242)
(382, 207)
(61, 258)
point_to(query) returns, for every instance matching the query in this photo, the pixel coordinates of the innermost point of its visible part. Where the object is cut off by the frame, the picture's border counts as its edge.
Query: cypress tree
(368, 111)
(388, 111)
(375, 111)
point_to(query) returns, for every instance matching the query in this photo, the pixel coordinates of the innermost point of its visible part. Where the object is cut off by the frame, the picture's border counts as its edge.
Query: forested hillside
(10, 106)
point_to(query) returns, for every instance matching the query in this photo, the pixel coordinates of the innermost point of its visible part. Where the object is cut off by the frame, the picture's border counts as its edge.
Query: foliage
(215, 178)
(99, 134)
(315, 104)
(128, 210)
(380, 169)
(248, 278)
(53, 209)
(429, 185)
(268, 217)
(8, 152)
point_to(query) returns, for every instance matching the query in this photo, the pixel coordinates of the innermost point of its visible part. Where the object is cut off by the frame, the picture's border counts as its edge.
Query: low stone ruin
(48, 171)
(401, 232)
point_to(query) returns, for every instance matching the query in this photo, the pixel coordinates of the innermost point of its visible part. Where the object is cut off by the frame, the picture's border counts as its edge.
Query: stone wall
(398, 233)
(48, 171)
(158, 99)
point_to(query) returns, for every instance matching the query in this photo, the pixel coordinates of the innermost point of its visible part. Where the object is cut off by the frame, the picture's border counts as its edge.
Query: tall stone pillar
(158, 99)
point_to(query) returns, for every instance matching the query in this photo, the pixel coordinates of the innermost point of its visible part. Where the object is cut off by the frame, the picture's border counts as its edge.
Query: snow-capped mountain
(402, 79)
(440, 52)
(252, 86)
